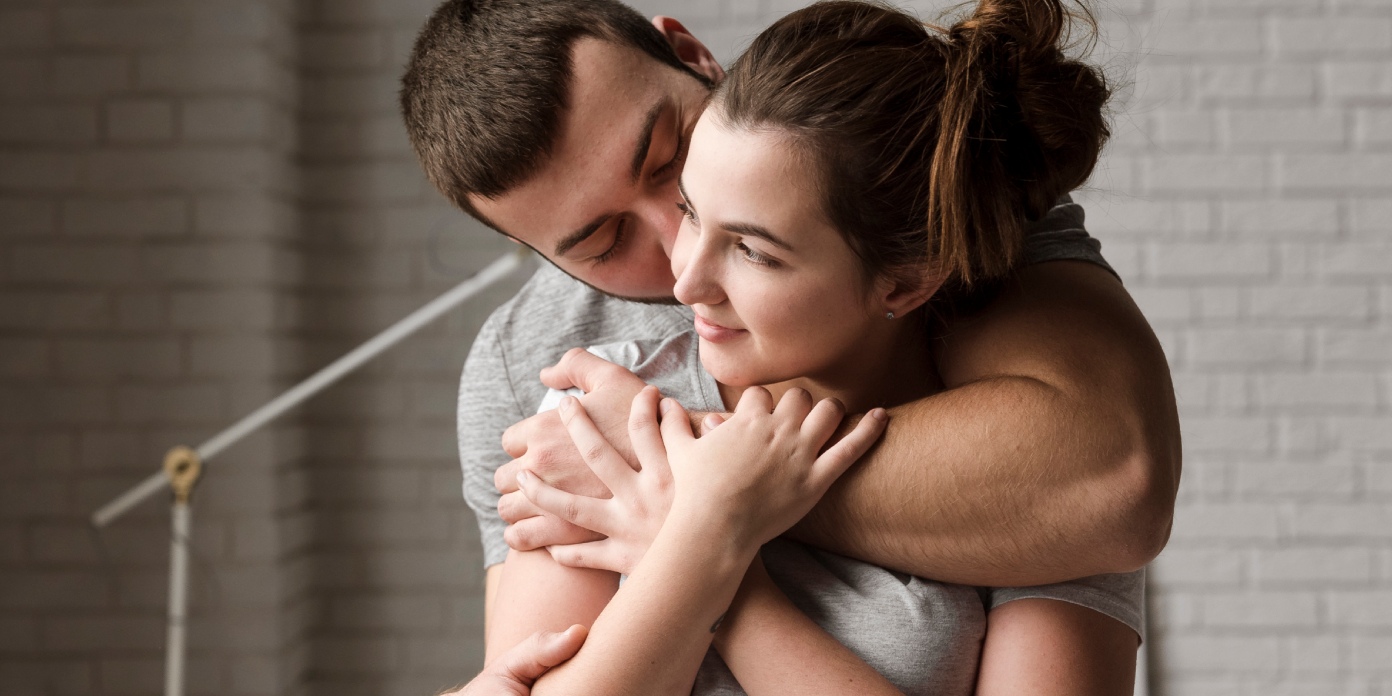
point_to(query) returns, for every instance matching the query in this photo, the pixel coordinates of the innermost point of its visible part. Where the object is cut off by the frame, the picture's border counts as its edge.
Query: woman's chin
(728, 373)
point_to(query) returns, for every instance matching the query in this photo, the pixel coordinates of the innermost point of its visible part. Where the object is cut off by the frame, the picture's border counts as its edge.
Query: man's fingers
(676, 425)
(606, 462)
(840, 456)
(505, 478)
(540, 652)
(575, 509)
(821, 422)
(579, 368)
(643, 431)
(514, 507)
(517, 435)
(559, 647)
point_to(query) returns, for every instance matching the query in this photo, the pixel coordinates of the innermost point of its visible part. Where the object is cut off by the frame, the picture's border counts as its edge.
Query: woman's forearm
(652, 636)
(773, 648)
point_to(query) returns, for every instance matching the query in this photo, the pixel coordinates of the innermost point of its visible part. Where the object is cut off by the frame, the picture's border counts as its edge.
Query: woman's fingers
(795, 405)
(756, 399)
(597, 555)
(823, 420)
(643, 431)
(606, 463)
(577, 510)
(850, 448)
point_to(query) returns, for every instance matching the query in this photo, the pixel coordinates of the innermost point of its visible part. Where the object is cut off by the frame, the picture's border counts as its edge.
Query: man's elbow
(1147, 485)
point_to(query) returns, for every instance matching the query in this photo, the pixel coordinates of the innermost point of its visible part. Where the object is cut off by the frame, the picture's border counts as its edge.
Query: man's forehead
(615, 92)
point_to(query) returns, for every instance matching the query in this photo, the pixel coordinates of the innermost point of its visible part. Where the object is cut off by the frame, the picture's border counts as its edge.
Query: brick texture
(202, 202)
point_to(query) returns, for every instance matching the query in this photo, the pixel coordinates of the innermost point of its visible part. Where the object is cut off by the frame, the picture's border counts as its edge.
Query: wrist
(713, 538)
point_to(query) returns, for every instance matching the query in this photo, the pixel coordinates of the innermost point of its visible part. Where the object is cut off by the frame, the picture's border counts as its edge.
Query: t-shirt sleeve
(1061, 236)
(487, 407)
(1118, 595)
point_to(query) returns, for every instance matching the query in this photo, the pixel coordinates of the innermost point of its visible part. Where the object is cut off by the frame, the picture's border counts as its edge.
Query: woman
(852, 166)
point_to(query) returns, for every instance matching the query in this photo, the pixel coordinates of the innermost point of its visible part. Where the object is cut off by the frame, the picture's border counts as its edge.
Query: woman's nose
(694, 265)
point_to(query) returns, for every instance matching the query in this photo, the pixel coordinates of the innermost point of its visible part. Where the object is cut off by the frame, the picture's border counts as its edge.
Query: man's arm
(1053, 454)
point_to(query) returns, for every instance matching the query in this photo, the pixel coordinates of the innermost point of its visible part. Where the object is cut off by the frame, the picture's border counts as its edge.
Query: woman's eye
(755, 257)
(686, 211)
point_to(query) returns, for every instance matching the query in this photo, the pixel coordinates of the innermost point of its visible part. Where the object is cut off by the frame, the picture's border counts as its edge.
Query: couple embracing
(863, 409)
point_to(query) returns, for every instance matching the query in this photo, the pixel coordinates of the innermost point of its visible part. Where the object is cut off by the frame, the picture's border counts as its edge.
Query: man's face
(603, 207)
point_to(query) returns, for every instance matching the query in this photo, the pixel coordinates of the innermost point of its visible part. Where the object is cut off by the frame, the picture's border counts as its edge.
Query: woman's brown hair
(936, 145)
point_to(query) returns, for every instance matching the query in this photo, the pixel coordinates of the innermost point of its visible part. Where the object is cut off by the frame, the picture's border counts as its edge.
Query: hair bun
(1048, 108)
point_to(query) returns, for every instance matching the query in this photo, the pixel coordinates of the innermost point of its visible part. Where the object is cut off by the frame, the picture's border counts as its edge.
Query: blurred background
(202, 202)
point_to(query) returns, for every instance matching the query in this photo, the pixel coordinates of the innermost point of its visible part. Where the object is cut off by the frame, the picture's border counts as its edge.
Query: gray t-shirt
(923, 636)
(553, 313)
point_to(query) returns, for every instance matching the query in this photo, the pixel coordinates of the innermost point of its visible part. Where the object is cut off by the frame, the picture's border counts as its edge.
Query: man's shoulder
(553, 313)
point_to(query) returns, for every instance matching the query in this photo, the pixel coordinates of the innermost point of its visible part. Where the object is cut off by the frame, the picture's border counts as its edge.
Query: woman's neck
(890, 368)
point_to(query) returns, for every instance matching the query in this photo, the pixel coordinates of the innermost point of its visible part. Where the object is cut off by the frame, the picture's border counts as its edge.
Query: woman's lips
(716, 333)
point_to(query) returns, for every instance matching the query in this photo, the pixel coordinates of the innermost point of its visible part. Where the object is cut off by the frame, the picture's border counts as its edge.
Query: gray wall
(202, 202)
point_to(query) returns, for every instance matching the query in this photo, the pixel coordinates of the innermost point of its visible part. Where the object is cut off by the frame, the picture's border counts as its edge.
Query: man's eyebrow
(640, 154)
(570, 241)
(744, 228)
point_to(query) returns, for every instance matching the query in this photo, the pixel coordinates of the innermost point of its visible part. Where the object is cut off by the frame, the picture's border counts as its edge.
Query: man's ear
(689, 49)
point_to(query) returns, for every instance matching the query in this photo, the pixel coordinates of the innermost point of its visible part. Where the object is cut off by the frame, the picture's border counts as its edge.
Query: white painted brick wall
(1245, 199)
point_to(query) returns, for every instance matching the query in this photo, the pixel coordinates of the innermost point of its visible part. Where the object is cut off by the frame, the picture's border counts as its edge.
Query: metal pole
(176, 643)
(319, 381)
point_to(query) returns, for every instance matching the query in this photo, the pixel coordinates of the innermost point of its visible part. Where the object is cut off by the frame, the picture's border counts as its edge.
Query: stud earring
(889, 315)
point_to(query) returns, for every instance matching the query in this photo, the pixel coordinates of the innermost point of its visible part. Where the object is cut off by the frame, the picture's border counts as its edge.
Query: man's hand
(514, 672)
(542, 446)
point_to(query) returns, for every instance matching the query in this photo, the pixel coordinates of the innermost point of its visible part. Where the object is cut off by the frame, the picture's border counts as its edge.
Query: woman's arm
(773, 648)
(1048, 647)
(729, 497)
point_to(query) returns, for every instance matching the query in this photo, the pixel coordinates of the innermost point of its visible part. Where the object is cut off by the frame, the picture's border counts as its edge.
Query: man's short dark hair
(487, 80)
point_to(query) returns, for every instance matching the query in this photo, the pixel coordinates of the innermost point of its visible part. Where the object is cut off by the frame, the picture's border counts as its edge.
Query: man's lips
(715, 333)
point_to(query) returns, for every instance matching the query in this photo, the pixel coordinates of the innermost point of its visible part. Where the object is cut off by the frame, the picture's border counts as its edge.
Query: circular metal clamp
(182, 467)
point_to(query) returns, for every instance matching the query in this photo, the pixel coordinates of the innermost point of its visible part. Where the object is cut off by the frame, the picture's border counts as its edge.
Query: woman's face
(777, 292)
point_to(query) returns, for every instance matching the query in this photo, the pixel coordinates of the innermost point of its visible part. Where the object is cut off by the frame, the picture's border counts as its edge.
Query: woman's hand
(755, 475)
(763, 468)
(632, 517)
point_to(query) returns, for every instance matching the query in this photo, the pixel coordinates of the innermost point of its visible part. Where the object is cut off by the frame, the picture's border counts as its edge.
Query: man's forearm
(1055, 456)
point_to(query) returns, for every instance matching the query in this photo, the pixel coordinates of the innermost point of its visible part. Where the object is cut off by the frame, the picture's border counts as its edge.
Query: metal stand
(183, 465)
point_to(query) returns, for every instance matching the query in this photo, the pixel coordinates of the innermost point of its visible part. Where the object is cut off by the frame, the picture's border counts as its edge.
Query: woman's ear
(689, 49)
(901, 297)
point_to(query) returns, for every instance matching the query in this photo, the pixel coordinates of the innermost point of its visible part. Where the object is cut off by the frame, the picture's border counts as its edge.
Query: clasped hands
(594, 492)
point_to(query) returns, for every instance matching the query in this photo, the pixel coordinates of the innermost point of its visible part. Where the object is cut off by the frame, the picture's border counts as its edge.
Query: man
(1053, 454)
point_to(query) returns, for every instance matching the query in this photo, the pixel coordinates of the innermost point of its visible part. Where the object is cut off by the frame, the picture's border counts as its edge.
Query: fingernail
(668, 405)
(878, 414)
(524, 476)
(567, 403)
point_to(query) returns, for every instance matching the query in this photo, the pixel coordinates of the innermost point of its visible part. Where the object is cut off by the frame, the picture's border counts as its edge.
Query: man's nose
(658, 211)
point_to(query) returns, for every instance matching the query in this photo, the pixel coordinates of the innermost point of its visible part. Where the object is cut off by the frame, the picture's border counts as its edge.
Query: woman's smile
(715, 333)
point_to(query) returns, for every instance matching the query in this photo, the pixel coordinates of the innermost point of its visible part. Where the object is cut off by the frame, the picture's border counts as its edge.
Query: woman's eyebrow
(752, 230)
(744, 228)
